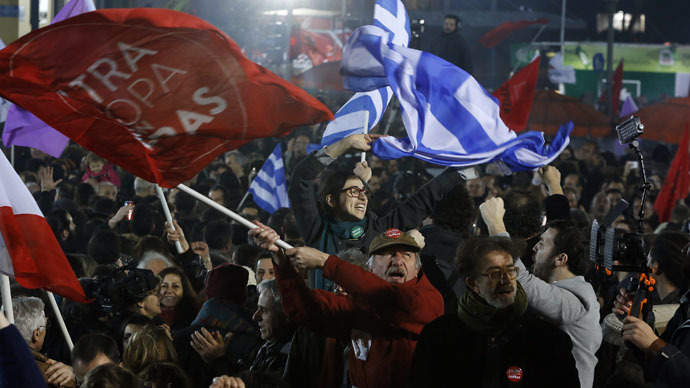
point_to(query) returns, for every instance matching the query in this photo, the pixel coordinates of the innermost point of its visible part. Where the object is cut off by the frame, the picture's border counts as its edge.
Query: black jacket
(450, 354)
(452, 48)
(408, 215)
(671, 368)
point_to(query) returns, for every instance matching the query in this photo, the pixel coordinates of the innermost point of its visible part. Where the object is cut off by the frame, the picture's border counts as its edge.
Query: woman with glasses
(338, 216)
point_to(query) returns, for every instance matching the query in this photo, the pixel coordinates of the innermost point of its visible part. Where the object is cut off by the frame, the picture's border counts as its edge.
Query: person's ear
(330, 200)
(472, 284)
(36, 335)
(65, 234)
(562, 259)
(655, 268)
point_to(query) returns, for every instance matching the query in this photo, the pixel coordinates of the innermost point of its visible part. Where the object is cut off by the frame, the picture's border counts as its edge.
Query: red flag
(158, 92)
(516, 96)
(616, 86)
(28, 249)
(677, 180)
(502, 31)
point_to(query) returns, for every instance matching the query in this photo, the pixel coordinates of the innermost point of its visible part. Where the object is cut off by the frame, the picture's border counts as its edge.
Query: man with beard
(557, 289)
(382, 313)
(450, 45)
(491, 341)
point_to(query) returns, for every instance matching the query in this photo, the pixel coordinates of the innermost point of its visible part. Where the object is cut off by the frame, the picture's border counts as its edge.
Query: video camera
(607, 246)
(121, 288)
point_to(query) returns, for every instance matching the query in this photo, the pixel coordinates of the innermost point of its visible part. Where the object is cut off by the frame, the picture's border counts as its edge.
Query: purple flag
(22, 128)
(629, 107)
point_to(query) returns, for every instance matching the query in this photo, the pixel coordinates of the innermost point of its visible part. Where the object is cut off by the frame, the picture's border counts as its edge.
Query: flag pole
(61, 322)
(226, 211)
(4, 279)
(249, 184)
(363, 157)
(246, 195)
(7, 297)
(536, 36)
(168, 216)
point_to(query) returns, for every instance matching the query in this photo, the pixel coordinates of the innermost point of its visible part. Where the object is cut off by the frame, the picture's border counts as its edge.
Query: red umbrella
(665, 120)
(551, 110)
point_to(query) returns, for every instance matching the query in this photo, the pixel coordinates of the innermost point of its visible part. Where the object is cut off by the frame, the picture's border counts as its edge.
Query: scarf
(342, 230)
(488, 320)
(334, 229)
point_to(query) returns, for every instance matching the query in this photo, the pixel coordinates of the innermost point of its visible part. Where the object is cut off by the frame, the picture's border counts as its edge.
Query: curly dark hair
(456, 211)
(523, 217)
(473, 250)
(574, 242)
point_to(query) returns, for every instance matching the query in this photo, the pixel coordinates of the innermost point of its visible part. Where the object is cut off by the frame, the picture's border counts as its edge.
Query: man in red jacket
(382, 313)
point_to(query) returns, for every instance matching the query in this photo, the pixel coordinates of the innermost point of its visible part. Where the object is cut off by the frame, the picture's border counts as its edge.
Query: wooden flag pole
(168, 216)
(227, 212)
(61, 322)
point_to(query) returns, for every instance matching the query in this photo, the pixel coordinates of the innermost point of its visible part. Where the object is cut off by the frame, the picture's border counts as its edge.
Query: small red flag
(158, 92)
(502, 31)
(677, 180)
(516, 96)
(616, 86)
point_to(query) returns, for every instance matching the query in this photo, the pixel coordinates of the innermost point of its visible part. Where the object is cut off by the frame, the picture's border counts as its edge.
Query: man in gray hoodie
(556, 289)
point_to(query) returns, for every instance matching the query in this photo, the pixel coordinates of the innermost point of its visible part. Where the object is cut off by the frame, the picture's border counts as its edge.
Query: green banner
(641, 58)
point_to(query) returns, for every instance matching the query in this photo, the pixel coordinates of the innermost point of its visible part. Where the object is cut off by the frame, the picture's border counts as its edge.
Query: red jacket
(393, 314)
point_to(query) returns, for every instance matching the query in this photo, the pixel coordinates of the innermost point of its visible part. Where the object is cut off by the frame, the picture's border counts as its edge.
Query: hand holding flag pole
(226, 211)
(168, 216)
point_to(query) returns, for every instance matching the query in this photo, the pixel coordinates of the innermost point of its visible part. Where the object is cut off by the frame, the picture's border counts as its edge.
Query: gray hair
(271, 286)
(370, 263)
(141, 185)
(29, 315)
(151, 256)
(240, 158)
(353, 256)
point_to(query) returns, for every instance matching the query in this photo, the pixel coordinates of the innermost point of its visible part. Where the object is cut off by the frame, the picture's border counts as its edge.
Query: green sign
(640, 58)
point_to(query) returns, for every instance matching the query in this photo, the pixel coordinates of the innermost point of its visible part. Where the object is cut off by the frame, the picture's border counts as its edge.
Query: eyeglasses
(356, 192)
(497, 273)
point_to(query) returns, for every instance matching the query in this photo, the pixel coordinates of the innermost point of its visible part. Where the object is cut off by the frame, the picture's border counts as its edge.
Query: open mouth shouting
(396, 274)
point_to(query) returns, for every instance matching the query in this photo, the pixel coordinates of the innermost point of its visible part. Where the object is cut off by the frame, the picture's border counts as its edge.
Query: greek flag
(269, 188)
(391, 16)
(449, 118)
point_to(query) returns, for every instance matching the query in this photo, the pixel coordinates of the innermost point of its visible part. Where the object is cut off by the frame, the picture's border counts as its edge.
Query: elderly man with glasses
(556, 288)
(492, 341)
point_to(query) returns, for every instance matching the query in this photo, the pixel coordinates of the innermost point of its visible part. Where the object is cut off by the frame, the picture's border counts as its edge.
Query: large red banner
(158, 92)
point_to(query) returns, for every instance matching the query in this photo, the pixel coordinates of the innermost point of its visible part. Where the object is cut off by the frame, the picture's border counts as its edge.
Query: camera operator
(665, 358)
(126, 291)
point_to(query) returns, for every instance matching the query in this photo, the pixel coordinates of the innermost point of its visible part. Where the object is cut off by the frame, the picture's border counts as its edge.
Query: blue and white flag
(269, 187)
(391, 16)
(449, 118)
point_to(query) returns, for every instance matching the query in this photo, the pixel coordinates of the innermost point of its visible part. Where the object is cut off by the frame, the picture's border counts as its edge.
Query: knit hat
(227, 281)
(393, 237)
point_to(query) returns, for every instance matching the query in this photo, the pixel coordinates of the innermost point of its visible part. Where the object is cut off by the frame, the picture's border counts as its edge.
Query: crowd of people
(401, 274)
